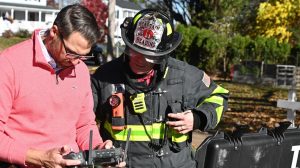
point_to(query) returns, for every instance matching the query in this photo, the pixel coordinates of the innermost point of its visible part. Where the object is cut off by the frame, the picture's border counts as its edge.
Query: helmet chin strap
(156, 60)
(153, 61)
(150, 61)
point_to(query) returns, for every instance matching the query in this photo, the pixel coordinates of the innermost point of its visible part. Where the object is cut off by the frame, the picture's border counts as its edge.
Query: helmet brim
(177, 38)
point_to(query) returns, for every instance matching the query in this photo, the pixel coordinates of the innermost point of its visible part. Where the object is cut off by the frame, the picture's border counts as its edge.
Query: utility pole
(60, 4)
(111, 29)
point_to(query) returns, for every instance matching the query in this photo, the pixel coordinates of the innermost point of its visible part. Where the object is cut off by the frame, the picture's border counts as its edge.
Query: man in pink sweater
(45, 94)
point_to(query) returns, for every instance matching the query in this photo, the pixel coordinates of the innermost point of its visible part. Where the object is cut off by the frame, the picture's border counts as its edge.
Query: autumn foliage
(100, 11)
(276, 19)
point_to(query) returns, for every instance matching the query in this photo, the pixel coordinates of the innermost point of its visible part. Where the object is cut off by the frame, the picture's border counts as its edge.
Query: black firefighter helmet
(150, 33)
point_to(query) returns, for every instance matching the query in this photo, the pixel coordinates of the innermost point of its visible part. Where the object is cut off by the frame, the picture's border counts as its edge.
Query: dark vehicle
(98, 58)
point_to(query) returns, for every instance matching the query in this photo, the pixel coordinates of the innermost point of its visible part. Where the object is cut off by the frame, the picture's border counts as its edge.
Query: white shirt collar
(45, 52)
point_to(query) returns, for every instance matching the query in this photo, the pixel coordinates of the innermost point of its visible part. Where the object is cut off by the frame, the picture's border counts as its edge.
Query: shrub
(23, 33)
(8, 34)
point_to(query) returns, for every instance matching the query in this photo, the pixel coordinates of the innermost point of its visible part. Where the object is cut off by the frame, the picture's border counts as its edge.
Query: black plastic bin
(269, 148)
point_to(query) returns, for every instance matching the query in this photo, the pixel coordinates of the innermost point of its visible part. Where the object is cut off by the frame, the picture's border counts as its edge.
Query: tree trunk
(111, 29)
(224, 67)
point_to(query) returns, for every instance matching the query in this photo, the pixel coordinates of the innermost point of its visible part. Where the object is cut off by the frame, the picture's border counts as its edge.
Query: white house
(123, 9)
(26, 14)
(32, 14)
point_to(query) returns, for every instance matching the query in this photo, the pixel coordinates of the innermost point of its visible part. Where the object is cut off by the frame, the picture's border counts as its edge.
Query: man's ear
(54, 32)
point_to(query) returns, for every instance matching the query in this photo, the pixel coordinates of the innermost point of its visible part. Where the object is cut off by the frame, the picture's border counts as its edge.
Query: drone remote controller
(102, 157)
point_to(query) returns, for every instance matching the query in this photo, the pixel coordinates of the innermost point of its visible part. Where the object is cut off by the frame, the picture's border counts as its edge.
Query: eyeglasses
(72, 54)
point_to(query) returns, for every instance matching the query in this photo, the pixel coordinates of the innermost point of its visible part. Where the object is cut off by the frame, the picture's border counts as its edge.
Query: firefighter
(160, 98)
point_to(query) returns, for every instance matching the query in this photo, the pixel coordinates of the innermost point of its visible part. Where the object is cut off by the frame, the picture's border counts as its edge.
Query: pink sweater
(39, 109)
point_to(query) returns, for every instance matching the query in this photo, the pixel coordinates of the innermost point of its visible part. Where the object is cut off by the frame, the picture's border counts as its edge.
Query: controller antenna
(90, 159)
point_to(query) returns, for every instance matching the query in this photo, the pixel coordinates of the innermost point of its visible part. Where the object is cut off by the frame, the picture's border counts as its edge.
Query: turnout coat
(176, 87)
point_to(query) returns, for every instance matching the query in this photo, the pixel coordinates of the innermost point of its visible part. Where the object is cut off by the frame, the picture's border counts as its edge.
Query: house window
(33, 16)
(130, 14)
(19, 15)
(117, 15)
(125, 14)
(43, 19)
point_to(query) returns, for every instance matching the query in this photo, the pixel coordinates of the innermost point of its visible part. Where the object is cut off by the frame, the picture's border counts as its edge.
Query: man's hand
(52, 158)
(183, 123)
(108, 145)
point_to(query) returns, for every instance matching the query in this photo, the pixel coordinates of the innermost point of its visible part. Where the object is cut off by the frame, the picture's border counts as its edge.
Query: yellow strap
(166, 72)
(169, 29)
(136, 18)
(160, 20)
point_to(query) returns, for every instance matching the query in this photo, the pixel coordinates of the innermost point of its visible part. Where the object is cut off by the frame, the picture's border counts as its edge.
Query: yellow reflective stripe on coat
(138, 133)
(215, 99)
(219, 89)
(219, 111)
(177, 137)
(218, 100)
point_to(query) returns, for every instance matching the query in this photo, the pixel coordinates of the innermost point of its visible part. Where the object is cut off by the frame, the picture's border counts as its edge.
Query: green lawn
(7, 42)
(254, 106)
